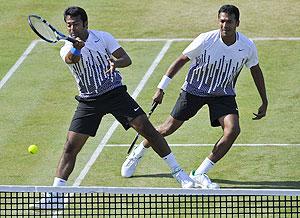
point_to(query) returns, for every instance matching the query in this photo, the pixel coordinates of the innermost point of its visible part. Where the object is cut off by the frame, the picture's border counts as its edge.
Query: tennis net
(23, 201)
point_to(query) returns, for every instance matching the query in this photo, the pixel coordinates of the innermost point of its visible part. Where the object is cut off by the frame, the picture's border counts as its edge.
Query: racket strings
(43, 29)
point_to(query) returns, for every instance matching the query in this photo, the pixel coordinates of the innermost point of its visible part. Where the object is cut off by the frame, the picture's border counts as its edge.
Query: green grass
(37, 102)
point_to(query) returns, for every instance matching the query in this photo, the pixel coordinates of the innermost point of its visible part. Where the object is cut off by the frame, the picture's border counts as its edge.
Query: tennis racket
(154, 105)
(46, 31)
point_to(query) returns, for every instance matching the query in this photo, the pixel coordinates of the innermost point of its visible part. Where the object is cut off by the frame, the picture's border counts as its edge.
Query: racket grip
(71, 39)
(133, 143)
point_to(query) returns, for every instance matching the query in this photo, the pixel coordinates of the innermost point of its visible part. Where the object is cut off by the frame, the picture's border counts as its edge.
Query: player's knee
(233, 132)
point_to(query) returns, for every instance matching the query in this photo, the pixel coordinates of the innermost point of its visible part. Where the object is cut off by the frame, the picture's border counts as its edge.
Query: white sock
(59, 182)
(140, 150)
(171, 161)
(205, 166)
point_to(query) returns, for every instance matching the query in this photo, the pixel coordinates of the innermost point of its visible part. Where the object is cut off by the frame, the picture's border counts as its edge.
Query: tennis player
(216, 60)
(94, 62)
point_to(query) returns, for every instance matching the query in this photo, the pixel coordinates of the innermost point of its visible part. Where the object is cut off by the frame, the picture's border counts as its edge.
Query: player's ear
(237, 23)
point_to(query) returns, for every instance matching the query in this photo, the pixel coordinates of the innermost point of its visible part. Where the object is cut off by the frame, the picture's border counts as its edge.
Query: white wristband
(165, 80)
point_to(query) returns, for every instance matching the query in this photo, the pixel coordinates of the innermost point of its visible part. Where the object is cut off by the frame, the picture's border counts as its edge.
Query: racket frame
(59, 35)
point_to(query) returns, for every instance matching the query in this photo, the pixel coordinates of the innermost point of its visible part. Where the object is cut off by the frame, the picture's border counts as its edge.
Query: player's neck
(229, 40)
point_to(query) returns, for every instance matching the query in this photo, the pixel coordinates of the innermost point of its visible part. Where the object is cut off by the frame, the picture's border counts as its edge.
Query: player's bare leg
(231, 130)
(72, 147)
(143, 126)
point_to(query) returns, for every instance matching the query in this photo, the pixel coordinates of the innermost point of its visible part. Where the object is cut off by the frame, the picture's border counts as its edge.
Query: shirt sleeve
(111, 43)
(253, 57)
(195, 47)
(65, 49)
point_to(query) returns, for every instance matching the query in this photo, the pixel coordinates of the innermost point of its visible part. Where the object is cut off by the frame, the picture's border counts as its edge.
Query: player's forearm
(259, 81)
(123, 61)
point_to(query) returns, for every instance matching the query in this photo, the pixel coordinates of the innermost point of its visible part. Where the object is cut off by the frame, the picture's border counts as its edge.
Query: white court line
(18, 63)
(205, 145)
(116, 123)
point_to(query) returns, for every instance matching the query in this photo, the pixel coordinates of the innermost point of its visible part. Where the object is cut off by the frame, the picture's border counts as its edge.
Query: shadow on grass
(259, 184)
(237, 184)
(157, 175)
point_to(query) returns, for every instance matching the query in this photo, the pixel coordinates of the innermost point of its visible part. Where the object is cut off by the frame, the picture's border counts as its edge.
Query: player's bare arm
(259, 81)
(73, 56)
(119, 59)
(171, 72)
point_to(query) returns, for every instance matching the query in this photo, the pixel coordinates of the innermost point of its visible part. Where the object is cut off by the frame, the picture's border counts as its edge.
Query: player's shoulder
(245, 40)
(100, 33)
(206, 39)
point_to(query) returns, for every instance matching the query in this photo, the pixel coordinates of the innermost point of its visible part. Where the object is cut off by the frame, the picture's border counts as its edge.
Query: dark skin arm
(171, 72)
(71, 58)
(259, 81)
(119, 59)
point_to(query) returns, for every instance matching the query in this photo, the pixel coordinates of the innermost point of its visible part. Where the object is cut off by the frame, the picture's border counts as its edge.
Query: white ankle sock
(140, 150)
(171, 161)
(205, 166)
(59, 182)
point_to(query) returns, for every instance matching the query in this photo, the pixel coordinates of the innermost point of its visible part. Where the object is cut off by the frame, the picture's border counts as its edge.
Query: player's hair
(75, 11)
(230, 9)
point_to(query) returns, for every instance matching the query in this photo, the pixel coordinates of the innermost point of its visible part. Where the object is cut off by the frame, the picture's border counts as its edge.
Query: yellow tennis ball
(33, 149)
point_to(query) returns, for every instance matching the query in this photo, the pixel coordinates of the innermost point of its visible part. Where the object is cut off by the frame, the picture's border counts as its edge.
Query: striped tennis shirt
(89, 72)
(215, 66)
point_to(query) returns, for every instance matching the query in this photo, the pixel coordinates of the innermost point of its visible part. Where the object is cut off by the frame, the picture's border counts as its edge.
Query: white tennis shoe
(51, 201)
(183, 178)
(131, 162)
(203, 181)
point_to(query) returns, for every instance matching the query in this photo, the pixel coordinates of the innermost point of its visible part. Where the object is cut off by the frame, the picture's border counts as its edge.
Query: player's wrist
(163, 84)
(75, 51)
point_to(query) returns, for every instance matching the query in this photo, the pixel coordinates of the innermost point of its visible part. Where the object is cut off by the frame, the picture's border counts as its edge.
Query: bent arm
(120, 58)
(176, 66)
(171, 72)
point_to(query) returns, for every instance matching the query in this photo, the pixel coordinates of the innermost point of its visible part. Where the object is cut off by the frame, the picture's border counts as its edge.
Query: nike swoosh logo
(135, 109)
(97, 40)
(241, 49)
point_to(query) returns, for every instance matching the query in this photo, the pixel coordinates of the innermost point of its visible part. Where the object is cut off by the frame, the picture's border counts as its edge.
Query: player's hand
(262, 111)
(112, 66)
(79, 44)
(158, 96)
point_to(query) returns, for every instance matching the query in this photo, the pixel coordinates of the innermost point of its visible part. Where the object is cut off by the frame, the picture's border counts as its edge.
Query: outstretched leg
(143, 126)
(231, 130)
(73, 145)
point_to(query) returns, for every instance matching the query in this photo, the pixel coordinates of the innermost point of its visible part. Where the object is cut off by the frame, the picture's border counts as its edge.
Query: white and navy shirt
(89, 72)
(215, 66)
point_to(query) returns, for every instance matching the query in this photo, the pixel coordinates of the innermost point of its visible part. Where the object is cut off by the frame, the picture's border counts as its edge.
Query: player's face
(76, 27)
(228, 24)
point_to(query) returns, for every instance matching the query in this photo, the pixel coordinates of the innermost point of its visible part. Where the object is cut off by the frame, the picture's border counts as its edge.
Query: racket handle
(71, 39)
(133, 143)
(154, 105)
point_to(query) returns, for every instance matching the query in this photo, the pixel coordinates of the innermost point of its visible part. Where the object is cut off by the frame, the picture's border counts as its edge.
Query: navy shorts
(188, 105)
(117, 102)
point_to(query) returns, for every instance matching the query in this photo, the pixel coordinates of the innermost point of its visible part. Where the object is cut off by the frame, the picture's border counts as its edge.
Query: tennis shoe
(51, 201)
(183, 178)
(203, 181)
(131, 162)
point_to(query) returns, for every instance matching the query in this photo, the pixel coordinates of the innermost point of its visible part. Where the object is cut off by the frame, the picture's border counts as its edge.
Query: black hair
(230, 9)
(75, 11)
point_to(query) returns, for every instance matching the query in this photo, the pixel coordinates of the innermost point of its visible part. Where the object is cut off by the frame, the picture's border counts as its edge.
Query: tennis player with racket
(216, 59)
(94, 58)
